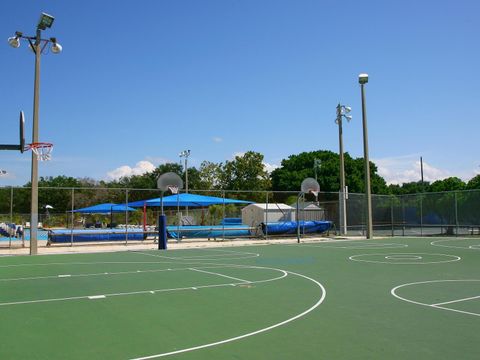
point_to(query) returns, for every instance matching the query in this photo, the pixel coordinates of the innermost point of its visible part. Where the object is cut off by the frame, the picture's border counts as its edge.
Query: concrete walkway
(43, 249)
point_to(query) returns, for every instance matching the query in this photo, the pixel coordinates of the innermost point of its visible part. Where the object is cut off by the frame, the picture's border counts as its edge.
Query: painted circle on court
(465, 243)
(442, 305)
(405, 258)
(366, 246)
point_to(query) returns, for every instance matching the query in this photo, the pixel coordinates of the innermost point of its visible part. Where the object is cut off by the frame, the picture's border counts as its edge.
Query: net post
(162, 232)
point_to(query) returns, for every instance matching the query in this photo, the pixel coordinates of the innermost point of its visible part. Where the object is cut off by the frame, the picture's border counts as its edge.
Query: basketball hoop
(173, 189)
(314, 192)
(41, 149)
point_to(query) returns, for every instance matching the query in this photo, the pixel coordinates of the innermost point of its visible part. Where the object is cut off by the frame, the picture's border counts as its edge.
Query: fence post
(126, 217)
(223, 216)
(391, 215)
(11, 217)
(73, 214)
(456, 213)
(421, 214)
(297, 218)
(266, 217)
(403, 216)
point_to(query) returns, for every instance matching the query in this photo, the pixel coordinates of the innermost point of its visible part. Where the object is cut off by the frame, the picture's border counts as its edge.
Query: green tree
(296, 168)
(474, 183)
(413, 187)
(245, 172)
(448, 184)
(209, 175)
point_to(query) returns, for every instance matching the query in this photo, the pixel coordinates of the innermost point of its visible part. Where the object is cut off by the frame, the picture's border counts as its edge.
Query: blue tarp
(190, 200)
(80, 235)
(215, 231)
(290, 227)
(104, 209)
(85, 235)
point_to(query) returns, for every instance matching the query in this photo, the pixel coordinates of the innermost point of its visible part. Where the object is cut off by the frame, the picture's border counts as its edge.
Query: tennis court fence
(446, 213)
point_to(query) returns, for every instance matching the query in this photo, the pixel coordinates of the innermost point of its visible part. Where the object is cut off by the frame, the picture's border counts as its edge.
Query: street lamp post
(37, 44)
(185, 154)
(363, 79)
(316, 165)
(342, 112)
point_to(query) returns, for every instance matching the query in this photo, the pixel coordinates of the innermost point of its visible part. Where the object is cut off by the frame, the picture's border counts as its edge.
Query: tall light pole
(37, 45)
(185, 154)
(316, 165)
(342, 112)
(363, 79)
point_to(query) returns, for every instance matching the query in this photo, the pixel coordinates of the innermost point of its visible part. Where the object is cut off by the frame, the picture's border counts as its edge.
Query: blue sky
(139, 81)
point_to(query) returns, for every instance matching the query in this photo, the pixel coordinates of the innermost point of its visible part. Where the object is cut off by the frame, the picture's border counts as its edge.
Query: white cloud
(217, 139)
(238, 153)
(270, 167)
(140, 168)
(403, 169)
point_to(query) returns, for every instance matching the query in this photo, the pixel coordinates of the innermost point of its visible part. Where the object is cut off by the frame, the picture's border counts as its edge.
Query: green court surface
(395, 298)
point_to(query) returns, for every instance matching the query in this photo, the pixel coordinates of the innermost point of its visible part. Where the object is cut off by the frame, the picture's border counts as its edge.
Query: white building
(254, 214)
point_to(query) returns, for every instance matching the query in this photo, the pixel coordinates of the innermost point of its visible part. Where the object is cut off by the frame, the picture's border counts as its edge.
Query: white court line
(284, 274)
(393, 292)
(313, 307)
(468, 247)
(218, 266)
(222, 275)
(95, 297)
(246, 255)
(395, 262)
(455, 301)
(455, 310)
(110, 295)
(88, 263)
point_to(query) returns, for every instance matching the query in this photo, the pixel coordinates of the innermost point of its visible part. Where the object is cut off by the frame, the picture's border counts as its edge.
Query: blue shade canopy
(190, 200)
(107, 208)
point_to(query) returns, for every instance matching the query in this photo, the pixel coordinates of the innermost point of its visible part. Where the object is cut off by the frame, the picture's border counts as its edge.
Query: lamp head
(14, 41)
(56, 47)
(348, 117)
(45, 21)
(347, 109)
(363, 79)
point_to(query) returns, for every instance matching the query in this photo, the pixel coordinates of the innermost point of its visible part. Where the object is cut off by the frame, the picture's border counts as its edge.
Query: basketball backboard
(169, 180)
(21, 142)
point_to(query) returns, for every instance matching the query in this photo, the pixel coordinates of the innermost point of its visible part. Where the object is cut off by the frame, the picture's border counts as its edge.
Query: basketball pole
(34, 175)
(35, 42)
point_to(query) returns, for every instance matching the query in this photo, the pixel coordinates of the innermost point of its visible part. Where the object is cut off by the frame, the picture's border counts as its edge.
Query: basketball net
(314, 193)
(41, 150)
(173, 189)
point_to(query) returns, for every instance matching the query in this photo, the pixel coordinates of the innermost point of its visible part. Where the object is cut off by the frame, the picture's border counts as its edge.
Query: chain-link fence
(262, 215)
(452, 213)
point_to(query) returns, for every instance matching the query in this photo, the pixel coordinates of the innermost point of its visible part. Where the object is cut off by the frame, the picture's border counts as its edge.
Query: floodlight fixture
(348, 117)
(363, 78)
(45, 21)
(184, 153)
(56, 47)
(14, 41)
(347, 109)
